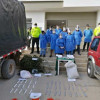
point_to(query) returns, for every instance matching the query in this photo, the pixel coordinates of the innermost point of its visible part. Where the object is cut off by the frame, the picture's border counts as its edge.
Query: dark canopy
(12, 26)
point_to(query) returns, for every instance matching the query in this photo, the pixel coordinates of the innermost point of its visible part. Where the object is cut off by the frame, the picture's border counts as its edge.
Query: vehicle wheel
(90, 69)
(8, 69)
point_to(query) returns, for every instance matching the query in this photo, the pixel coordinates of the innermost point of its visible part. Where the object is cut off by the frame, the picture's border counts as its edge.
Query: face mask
(60, 37)
(35, 26)
(53, 32)
(64, 29)
(50, 28)
(69, 32)
(57, 27)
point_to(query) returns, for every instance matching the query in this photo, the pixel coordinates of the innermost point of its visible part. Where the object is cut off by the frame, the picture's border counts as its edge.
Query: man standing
(87, 36)
(64, 32)
(78, 36)
(35, 32)
(97, 30)
(48, 33)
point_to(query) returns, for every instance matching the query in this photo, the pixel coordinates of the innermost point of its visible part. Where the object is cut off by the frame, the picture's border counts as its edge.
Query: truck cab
(93, 65)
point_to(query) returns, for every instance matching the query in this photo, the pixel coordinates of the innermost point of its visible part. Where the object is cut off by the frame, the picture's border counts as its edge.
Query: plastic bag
(25, 74)
(71, 69)
(69, 64)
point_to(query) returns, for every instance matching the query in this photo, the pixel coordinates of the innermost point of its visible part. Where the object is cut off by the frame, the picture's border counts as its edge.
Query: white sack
(25, 74)
(71, 69)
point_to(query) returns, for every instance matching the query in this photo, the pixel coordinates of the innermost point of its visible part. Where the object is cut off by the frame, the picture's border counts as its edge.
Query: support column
(98, 17)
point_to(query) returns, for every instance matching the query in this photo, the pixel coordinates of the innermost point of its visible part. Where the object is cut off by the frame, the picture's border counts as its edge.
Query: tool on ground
(14, 99)
(50, 99)
(35, 96)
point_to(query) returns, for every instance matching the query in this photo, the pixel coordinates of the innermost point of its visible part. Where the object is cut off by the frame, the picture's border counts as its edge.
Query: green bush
(27, 63)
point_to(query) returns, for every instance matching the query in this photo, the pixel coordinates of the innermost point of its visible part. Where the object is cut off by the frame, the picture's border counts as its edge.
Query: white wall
(81, 3)
(37, 17)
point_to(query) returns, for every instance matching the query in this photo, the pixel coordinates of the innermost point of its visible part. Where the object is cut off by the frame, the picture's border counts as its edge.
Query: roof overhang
(55, 6)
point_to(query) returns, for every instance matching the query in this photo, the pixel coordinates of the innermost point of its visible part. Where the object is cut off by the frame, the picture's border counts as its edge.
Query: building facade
(67, 13)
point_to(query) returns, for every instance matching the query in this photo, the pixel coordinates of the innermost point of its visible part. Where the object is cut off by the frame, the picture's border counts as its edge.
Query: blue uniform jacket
(53, 41)
(78, 36)
(48, 33)
(70, 42)
(58, 31)
(60, 43)
(64, 34)
(43, 41)
(88, 35)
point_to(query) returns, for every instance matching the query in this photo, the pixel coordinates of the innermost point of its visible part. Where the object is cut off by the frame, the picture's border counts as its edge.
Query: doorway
(28, 23)
(61, 23)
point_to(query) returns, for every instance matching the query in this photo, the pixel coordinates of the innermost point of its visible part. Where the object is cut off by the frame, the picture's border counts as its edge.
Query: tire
(8, 69)
(90, 69)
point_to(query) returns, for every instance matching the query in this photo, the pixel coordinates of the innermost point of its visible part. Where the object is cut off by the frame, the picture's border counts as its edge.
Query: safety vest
(97, 31)
(35, 32)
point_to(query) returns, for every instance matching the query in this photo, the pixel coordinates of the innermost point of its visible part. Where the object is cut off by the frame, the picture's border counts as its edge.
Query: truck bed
(12, 26)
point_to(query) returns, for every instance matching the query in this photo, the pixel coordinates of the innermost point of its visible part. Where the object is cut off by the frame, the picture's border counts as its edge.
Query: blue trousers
(43, 51)
(69, 52)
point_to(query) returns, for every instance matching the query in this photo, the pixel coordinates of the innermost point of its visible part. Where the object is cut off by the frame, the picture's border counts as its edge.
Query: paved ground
(57, 87)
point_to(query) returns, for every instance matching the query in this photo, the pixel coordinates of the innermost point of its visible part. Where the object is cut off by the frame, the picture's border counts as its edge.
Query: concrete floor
(56, 87)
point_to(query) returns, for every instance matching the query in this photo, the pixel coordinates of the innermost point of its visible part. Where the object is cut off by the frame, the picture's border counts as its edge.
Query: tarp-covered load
(12, 26)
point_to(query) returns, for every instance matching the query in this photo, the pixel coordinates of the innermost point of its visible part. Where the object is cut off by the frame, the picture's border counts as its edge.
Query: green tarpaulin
(12, 26)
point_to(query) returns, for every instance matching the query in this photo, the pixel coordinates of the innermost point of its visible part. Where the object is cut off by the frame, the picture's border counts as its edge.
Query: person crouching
(43, 44)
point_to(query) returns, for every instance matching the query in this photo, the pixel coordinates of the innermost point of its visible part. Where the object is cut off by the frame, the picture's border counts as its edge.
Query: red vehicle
(93, 66)
(13, 36)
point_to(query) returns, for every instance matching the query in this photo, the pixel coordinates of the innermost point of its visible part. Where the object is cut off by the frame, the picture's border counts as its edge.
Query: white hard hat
(64, 28)
(68, 29)
(77, 27)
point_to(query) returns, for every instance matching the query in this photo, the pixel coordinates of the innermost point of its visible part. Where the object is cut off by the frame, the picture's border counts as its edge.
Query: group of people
(60, 40)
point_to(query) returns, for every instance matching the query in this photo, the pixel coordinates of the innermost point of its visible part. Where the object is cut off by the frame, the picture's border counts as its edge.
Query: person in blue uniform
(64, 32)
(53, 39)
(69, 43)
(58, 30)
(48, 33)
(78, 36)
(43, 43)
(60, 45)
(87, 37)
